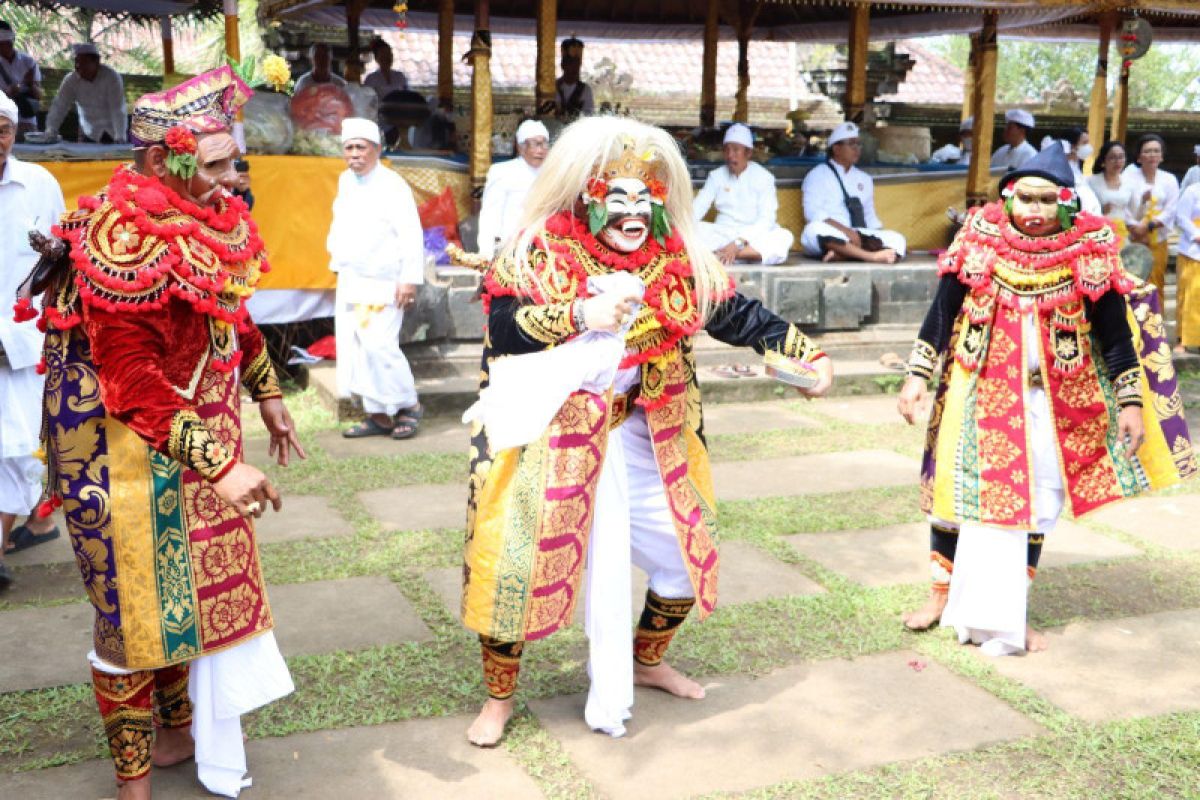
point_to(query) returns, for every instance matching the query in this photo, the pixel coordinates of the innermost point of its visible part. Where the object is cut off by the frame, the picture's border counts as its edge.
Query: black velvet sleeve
(516, 327)
(934, 336)
(744, 322)
(1110, 327)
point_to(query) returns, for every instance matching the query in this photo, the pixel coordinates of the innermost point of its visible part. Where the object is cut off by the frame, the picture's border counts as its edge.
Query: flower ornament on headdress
(181, 151)
(593, 197)
(273, 70)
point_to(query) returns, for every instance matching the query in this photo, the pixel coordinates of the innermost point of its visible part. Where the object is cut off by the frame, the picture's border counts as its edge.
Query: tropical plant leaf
(597, 217)
(660, 226)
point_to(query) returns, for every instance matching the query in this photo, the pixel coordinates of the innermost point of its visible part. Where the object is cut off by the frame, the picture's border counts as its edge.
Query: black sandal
(408, 422)
(22, 538)
(368, 427)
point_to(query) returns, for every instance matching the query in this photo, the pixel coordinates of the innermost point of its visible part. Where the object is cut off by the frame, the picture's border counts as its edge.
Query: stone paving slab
(348, 614)
(427, 758)
(800, 722)
(900, 553)
(43, 583)
(1116, 669)
(302, 517)
(55, 551)
(735, 418)
(814, 474)
(876, 410)
(421, 507)
(437, 435)
(52, 649)
(1164, 521)
(748, 575)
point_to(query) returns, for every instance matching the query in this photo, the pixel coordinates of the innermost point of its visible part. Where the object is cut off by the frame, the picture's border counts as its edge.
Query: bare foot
(134, 790)
(488, 728)
(927, 615)
(885, 256)
(664, 676)
(1179, 350)
(829, 256)
(172, 746)
(1035, 641)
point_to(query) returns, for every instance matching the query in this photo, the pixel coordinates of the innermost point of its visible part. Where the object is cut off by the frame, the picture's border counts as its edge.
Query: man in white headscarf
(97, 92)
(508, 184)
(376, 247)
(30, 199)
(957, 153)
(744, 194)
(1016, 150)
(839, 208)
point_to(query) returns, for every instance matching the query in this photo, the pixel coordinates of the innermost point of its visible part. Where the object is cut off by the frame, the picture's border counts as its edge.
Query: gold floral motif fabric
(194, 445)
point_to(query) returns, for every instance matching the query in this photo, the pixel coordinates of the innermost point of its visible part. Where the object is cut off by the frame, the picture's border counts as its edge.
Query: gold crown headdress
(645, 167)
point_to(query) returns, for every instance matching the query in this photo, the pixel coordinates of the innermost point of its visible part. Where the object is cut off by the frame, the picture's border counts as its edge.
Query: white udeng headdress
(579, 154)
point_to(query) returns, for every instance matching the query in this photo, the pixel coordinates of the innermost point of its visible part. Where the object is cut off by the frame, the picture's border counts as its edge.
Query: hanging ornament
(401, 11)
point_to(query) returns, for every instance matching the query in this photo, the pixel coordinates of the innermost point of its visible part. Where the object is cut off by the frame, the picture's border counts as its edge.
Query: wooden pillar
(352, 70)
(708, 79)
(983, 100)
(233, 45)
(856, 62)
(747, 12)
(1098, 110)
(969, 79)
(480, 57)
(445, 90)
(168, 45)
(1120, 120)
(545, 68)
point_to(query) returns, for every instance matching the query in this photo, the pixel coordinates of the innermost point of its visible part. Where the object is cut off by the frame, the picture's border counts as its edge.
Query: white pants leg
(370, 363)
(653, 539)
(20, 484)
(773, 245)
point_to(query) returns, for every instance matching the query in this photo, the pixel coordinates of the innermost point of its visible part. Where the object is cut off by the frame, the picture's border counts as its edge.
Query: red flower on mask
(181, 140)
(597, 189)
(1065, 195)
(657, 189)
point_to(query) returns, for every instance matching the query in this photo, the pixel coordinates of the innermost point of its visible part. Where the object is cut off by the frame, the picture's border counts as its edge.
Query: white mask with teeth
(628, 205)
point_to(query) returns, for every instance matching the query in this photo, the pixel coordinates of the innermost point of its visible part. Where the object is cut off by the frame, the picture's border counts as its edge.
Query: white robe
(100, 104)
(375, 244)
(1010, 158)
(823, 199)
(1164, 190)
(746, 207)
(504, 194)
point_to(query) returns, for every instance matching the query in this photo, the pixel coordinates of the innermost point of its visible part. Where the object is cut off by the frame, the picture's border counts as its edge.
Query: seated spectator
(384, 80)
(744, 195)
(242, 189)
(839, 207)
(321, 58)
(20, 79)
(508, 184)
(97, 92)
(1016, 150)
(961, 152)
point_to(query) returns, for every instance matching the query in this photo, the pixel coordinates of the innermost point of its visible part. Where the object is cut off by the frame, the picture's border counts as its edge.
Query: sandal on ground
(893, 361)
(744, 370)
(22, 538)
(408, 422)
(726, 371)
(368, 427)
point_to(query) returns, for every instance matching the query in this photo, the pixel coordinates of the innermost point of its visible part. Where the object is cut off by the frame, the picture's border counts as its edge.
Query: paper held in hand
(792, 371)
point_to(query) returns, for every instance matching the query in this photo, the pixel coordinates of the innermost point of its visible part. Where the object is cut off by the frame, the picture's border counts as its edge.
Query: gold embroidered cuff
(1128, 387)
(192, 444)
(548, 324)
(922, 361)
(259, 378)
(797, 345)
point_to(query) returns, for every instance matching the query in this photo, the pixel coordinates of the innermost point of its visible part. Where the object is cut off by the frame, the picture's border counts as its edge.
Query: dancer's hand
(247, 489)
(609, 311)
(1130, 429)
(913, 396)
(279, 424)
(824, 369)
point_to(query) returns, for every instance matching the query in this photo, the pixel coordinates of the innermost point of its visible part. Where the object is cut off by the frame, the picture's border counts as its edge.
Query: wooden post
(1120, 120)
(168, 45)
(708, 79)
(983, 100)
(233, 45)
(445, 89)
(352, 70)
(1098, 110)
(856, 62)
(545, 68)
(481, 99)
(747, 12)
(969, 79)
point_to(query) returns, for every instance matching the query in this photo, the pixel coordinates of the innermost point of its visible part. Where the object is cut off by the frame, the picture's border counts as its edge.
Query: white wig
(578, 155)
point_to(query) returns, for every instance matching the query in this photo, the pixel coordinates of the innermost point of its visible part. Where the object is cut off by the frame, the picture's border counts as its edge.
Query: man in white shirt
(1016, 150)
(97, 92)
(1193, 173)
(508, 184)
(20, 79)
(384, 80)
(957, 153)
(574, 97)
(744, 195)
(377, 249)
(839, 208)
(30, 199)
(322, 62)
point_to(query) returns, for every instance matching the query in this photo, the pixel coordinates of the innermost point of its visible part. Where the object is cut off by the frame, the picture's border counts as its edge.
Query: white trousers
(370, 364)
(772, 244)
(20, 484)
(814, 232)
(632, 525)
